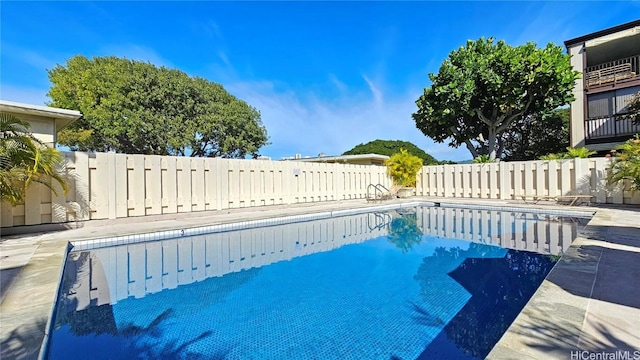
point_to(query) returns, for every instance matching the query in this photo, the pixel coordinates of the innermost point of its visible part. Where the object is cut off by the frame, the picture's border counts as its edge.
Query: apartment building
(609, 61)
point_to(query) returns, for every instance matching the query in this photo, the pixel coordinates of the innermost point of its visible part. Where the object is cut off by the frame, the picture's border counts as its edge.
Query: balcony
(612, 71)
(609, 129)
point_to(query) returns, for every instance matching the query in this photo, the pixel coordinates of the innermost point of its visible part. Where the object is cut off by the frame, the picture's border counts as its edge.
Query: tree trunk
(492, 143)
(471, 148)
(500, 148)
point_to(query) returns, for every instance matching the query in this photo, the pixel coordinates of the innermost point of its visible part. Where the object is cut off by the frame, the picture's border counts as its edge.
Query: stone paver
(589, 305)
(590, 300)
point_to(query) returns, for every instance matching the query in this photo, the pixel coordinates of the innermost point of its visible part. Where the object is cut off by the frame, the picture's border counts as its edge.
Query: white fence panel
(108, 185)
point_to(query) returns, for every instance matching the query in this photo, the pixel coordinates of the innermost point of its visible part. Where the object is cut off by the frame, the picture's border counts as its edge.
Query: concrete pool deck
(589, 302)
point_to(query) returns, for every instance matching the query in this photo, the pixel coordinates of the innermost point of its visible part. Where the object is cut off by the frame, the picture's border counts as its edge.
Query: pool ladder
(378, 192)
(378, 220)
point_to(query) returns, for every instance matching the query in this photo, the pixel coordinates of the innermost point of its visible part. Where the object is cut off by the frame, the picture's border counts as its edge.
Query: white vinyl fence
(109, 186)
(510, 180)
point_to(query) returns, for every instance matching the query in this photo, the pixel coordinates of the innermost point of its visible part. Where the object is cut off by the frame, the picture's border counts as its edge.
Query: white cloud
(302, 123)
(538, 27)
(223, 56)
(339, 84)
(32, 58)
(212, 29)
(377, 94)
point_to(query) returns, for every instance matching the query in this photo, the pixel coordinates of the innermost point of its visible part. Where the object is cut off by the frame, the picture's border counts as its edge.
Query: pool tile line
(242, 225)
(520, 209)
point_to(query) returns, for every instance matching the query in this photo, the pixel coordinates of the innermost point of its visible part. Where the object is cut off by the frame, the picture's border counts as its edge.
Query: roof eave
(601, 33)
(62, 117)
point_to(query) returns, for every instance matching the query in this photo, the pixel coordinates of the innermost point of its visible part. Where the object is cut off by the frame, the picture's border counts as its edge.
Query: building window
(603, 110)
(608, 104)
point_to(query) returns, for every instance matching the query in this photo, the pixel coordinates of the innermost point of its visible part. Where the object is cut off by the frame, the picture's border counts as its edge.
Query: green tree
(25, 159)
(403, 167)
(390, 147)
(135, 107)
(537, 135)
(485, 87)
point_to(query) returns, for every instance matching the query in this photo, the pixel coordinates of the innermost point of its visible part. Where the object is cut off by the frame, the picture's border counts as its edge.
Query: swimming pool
(413, 282)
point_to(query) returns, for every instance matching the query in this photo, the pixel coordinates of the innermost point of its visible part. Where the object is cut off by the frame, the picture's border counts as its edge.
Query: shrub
(557, 156)
(403, 168)
(581, 153)
(571, 153)
(482, 159)
(626, 164)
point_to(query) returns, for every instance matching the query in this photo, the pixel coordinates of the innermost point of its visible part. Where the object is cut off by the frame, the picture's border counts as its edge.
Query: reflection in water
(111, 274)
(498, 286)
(107, 275)
(424, 317)
(130, 341)
(430, 288)
(404, 231)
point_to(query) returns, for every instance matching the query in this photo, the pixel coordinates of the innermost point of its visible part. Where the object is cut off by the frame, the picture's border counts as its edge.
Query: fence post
(503, 173)
(540, 183)
(553, 177)
(582, 178)
(598, 174)
(82, 196)
(474, 171)
(565, 179)
(529, 178)
(136, 184)
(153, 186)
(493, 180)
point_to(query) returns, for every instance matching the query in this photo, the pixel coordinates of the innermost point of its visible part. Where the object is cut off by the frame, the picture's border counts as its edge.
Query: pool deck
(590, 301)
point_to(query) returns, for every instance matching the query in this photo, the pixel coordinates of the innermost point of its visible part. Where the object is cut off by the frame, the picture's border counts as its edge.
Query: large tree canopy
(483, 88)
(135, 107)
(535, 136)
(390, 147)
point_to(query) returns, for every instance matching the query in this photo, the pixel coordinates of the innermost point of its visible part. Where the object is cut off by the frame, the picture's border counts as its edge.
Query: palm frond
(25, 159)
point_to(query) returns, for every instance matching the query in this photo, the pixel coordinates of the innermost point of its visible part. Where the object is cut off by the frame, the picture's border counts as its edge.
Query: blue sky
(325, 76)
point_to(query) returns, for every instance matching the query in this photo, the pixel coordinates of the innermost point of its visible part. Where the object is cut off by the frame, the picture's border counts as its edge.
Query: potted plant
(403, 168)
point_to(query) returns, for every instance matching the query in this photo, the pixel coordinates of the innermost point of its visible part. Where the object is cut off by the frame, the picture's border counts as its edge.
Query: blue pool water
(420, 283)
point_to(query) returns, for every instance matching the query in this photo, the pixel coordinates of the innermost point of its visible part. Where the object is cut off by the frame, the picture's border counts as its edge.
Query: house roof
(62, 117)
(601, 33)
(342, 158)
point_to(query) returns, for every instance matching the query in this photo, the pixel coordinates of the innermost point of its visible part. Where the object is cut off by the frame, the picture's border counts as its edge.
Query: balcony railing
(609, 128)
(613, 71)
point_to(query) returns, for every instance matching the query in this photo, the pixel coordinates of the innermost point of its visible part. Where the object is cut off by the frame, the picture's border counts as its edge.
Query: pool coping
(588, 306)
(243, 225)
(52, 247)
